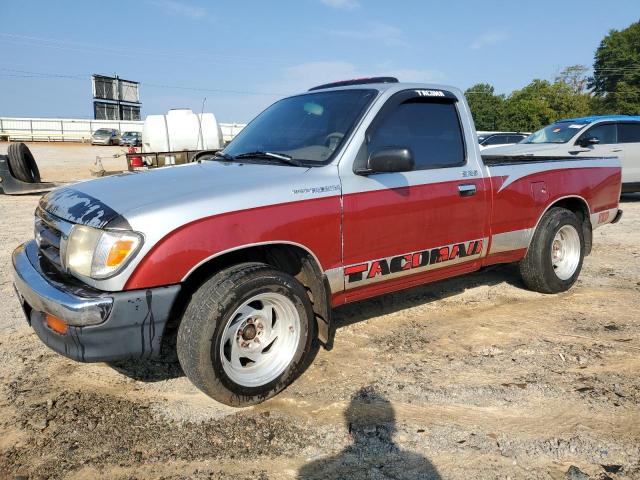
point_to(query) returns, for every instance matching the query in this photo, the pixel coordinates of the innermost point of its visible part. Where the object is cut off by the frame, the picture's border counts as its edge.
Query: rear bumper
(101, 326)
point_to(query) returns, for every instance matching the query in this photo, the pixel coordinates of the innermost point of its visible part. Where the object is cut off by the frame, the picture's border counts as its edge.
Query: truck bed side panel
(523, 191)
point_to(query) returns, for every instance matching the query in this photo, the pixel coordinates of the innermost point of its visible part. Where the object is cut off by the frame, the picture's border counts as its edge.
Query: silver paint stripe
(607, 217)
(513, 240)
(335, 277)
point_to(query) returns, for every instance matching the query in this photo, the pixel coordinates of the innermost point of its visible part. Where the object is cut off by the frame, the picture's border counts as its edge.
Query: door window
(496, 140)
(430, 129)
(605, 133)
(629, 132)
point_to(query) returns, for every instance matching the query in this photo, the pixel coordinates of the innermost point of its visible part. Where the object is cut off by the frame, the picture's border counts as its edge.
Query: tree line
(612, 88)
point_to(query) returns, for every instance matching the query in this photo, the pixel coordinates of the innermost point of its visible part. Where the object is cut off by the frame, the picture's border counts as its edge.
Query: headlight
(95, 253)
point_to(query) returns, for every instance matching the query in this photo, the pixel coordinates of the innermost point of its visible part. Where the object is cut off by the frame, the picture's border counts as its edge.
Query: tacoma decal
(414, 262)
(430, 93)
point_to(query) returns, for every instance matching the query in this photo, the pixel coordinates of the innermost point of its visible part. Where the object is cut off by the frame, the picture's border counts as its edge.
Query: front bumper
(101, 141)
(129, 325)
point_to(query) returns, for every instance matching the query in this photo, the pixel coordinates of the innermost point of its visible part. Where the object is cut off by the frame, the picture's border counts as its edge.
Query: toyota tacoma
(346, 192)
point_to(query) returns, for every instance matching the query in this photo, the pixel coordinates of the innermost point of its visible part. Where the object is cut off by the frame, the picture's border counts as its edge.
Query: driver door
(405, 228)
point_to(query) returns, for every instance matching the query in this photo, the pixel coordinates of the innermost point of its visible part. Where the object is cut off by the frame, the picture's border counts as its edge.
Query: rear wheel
(554, 259)
(246, 334)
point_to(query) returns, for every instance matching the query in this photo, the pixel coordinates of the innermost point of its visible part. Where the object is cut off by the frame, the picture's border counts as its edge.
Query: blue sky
(243, 55)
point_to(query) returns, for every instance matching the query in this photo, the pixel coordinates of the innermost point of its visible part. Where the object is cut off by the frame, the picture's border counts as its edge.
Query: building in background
(115, 98)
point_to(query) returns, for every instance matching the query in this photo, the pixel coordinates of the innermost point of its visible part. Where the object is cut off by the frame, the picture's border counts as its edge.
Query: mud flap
(9, 185)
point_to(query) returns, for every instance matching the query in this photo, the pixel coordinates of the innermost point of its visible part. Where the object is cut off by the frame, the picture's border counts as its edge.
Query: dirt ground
(469, 378)
(69, 161)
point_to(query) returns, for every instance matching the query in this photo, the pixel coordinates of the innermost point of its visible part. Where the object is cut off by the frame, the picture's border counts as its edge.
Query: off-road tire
(22, 164)
(536, 268)
(202, 327)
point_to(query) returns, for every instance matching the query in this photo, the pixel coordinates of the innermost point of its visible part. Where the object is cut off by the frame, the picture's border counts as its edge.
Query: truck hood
(112, 201)
(528, 149)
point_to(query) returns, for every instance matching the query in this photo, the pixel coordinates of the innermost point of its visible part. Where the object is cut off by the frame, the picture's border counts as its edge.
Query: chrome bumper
(56, 300)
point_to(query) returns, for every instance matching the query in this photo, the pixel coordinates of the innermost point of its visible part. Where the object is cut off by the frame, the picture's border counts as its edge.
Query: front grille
(51, 234)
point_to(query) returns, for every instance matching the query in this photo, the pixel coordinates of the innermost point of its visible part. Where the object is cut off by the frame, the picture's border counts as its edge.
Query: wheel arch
(580, 207)
(292, 258)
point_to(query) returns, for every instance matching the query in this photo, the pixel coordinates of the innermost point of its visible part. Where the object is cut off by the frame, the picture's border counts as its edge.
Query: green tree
(616, 71)
(541, 103)
(486, 106)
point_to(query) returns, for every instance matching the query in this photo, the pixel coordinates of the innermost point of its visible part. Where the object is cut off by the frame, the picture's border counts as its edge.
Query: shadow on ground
(373, 454)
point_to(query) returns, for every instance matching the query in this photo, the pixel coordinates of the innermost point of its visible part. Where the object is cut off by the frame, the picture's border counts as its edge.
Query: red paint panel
(314, 224)
(515, 208)
(505, 257)
(377, 225)
(389, 222)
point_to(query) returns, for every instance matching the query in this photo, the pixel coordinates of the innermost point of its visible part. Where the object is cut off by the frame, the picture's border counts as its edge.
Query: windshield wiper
(282, 157)
(225, 156)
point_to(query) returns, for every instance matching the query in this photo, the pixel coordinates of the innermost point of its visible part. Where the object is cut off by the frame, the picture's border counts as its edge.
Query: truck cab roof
(382, 86)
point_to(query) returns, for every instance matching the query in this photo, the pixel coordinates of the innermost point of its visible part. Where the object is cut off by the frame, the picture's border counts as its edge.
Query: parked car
(499, 139)
(131, 138)
(604, 136)
(105, 136)
(346, 192)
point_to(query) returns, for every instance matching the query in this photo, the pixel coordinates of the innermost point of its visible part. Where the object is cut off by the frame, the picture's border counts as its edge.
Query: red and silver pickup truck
(339, 194)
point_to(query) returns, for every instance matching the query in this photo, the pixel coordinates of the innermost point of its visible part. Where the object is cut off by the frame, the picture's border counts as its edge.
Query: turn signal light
(56, 324)
(119, 252)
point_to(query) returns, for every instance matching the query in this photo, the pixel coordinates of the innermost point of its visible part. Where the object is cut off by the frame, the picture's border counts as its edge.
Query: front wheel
(554, 259)
(246, 333)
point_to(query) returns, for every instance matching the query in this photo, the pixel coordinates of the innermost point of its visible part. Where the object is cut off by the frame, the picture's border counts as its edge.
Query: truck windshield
(308, 128)
(559, 132)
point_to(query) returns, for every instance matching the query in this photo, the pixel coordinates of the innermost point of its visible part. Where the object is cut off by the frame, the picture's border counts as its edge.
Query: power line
(92, 48)
(48, 75)
(14, 73)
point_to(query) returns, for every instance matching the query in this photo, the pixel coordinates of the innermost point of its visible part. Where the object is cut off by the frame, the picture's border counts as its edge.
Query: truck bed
(494, 160)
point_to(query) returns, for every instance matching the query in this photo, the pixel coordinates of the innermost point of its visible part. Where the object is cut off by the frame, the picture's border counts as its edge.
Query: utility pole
(119, 117)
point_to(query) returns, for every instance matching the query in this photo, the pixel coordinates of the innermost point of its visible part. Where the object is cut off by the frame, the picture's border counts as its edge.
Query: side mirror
(389, 160)
(587, 142)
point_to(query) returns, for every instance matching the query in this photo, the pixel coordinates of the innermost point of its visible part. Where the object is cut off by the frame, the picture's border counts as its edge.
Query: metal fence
(78, 130)
(59, 129)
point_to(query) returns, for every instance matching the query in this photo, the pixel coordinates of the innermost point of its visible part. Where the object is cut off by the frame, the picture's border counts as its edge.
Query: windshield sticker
(323, 189)
(576, 126)
(556, 130)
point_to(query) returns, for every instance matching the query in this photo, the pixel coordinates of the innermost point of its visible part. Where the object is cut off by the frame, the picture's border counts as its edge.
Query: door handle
(616, 150)
(466, 189)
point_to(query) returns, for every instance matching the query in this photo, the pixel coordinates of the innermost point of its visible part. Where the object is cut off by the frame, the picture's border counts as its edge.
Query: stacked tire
(22, 164)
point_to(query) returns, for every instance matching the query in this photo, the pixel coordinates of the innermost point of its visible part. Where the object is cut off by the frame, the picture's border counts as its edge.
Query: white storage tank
(181, 129)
